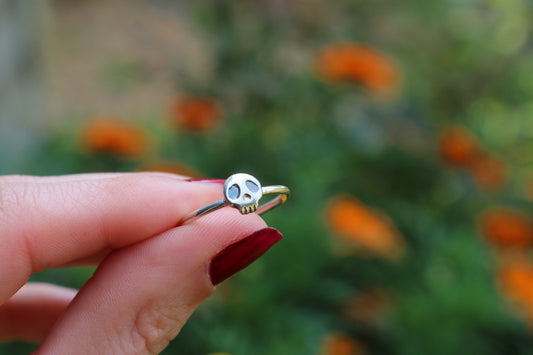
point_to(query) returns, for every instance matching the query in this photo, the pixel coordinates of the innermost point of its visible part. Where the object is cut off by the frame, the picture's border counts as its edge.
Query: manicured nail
(239, 255)
(213, 181)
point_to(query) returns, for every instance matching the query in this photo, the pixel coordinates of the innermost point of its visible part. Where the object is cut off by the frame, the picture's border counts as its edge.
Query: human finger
(140, 296)
(45, 222)
(32, 311)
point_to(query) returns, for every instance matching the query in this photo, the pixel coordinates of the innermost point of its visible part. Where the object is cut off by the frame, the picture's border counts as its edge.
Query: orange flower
(458, 147)
(359, 63)
(363, 228)
(110, 135)
(506, 227)
(171, 167)
(340, 344)
(196, 113)
(516, 283)
(489, 172)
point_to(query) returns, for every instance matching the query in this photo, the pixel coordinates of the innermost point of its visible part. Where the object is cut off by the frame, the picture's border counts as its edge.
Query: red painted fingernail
(214, 181)
(239, 255)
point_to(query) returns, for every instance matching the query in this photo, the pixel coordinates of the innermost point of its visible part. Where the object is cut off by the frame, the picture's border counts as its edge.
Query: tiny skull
(243, 191)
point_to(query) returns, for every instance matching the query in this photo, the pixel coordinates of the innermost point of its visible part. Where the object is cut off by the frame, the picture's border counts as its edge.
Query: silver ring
(243, 192)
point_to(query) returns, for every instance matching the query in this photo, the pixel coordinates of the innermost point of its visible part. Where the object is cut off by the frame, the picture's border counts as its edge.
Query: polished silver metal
(243, 192)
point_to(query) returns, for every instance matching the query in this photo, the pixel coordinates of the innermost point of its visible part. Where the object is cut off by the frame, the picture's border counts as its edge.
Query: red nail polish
(214, 181)
(239, 255)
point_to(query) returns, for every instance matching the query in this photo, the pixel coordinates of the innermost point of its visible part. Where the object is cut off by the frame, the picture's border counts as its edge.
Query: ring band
(243, 192)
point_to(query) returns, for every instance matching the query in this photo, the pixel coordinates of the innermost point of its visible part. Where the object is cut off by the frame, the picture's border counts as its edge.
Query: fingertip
(238, 255)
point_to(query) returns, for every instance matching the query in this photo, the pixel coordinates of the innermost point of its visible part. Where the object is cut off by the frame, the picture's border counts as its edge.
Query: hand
(151, 273)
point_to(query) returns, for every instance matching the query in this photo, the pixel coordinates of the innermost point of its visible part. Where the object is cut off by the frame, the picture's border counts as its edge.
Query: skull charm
(243, 191)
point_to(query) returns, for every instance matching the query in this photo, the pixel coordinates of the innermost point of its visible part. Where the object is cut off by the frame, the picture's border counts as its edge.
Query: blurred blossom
(106, 134)
(198, 114)
(458, 147)
(359, 63)
(341, 344)
(367, 307)
(516, 283)
(171, 167)
(489, 172)
(508, 228)
(363, 229)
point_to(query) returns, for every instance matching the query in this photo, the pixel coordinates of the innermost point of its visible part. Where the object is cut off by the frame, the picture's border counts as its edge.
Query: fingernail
(239, 255)
(214, 181)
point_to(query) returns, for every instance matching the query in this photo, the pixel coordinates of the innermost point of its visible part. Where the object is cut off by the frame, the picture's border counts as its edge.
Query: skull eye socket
(234, 191)
(252, 186)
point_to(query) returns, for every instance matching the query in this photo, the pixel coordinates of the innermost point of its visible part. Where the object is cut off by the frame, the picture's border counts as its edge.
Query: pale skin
(151, 273)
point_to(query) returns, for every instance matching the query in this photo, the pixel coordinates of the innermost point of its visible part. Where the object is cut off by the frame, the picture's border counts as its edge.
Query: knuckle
(15, 195)
(17, 200)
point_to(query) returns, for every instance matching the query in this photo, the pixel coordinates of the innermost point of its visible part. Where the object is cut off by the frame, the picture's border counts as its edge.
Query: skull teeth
(248, 209)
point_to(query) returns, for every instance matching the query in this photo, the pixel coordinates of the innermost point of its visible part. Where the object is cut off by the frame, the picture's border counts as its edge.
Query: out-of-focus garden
(403, 128)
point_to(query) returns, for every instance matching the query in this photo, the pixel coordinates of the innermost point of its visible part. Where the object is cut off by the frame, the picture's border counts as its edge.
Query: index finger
(45, 222)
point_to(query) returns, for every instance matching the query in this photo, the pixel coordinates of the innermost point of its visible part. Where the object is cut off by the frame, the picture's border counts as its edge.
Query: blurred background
(403, 128)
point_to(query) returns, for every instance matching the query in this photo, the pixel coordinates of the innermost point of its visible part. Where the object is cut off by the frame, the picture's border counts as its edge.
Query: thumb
(140, 296)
